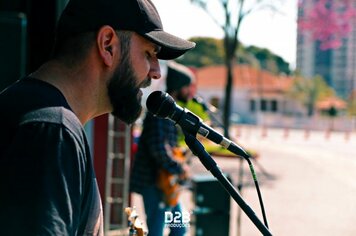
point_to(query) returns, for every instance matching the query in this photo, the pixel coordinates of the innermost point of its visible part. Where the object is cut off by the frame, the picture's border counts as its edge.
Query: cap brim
(171, 46)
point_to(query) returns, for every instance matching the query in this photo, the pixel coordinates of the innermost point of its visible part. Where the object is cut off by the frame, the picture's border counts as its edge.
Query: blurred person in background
(159, 158)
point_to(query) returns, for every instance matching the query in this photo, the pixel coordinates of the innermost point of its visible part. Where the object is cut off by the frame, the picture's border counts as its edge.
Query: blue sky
(274, 31)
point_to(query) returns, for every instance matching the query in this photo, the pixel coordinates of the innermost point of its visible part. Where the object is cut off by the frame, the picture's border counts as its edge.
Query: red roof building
(253, 89)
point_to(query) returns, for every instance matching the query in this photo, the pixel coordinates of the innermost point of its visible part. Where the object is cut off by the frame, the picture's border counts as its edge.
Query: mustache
(145, 83)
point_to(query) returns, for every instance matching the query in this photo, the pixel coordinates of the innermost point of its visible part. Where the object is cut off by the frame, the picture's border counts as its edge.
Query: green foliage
(217, 150)
(210, 51)
(268, 61)
(351, 106)
(309, 91)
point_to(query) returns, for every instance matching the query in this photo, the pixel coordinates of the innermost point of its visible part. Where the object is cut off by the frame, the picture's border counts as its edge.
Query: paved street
(308, 184)
(313, 189)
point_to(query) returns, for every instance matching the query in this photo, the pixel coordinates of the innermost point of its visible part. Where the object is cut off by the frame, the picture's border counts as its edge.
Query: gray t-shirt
(47, 179)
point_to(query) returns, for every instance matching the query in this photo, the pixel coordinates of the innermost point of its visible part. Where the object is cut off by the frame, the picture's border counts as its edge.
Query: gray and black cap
(140, 16)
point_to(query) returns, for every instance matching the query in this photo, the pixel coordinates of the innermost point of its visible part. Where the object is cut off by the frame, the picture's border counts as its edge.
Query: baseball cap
(140, 16)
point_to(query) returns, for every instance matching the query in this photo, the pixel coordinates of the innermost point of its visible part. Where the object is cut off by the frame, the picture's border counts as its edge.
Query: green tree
(309, 91)
(269, 61)
(208, 51)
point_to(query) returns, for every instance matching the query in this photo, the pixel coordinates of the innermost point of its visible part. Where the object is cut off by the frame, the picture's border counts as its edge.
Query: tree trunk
(230, 44)
(227, 103)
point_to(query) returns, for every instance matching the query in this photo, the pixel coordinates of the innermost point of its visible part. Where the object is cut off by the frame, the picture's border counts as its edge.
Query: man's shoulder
(54, 115)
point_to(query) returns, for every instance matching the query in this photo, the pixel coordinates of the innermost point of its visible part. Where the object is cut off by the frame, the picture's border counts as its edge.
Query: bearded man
(105, 52)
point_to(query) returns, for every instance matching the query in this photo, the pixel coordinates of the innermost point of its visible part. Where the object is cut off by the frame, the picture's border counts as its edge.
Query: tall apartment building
(336, 66)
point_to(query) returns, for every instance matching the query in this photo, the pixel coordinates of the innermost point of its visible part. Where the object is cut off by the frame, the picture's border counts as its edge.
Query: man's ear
(109, 49)
(107, 44)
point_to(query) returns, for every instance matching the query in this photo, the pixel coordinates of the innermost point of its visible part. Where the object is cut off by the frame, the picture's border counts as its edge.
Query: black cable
(254, 176)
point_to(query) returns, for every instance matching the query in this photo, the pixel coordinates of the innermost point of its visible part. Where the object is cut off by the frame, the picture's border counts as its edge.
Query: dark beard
(124, 92)
(181, 97)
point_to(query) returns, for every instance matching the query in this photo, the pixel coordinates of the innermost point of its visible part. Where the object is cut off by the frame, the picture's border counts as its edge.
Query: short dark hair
(73, 49)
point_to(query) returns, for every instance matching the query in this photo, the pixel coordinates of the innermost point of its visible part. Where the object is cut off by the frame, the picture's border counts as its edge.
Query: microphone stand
(197, 148)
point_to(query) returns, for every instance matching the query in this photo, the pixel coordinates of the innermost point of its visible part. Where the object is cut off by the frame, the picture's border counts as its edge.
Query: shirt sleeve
(46, 165)
(161, 138)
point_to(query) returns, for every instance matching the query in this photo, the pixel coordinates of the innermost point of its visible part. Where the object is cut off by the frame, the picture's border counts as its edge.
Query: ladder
(117, 176)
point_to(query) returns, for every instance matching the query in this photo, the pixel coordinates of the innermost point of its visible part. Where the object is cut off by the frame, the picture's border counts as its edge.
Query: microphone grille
(160, 104)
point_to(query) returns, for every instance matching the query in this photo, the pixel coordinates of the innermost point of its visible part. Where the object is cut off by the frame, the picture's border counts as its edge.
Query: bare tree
(228, 15)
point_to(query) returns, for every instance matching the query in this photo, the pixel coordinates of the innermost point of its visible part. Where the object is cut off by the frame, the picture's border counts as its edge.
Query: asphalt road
(307, 180)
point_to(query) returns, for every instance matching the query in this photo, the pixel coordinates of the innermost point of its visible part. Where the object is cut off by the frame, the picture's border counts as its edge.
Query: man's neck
(74, 85)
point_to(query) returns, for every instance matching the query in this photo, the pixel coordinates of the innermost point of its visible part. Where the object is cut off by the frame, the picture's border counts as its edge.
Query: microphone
(162, 105)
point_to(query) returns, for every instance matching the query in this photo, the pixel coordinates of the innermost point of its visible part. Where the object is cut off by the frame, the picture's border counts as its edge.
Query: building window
(263, 105)
(274, 106)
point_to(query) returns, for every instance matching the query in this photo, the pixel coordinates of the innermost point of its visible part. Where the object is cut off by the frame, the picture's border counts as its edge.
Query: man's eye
(148, 55)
